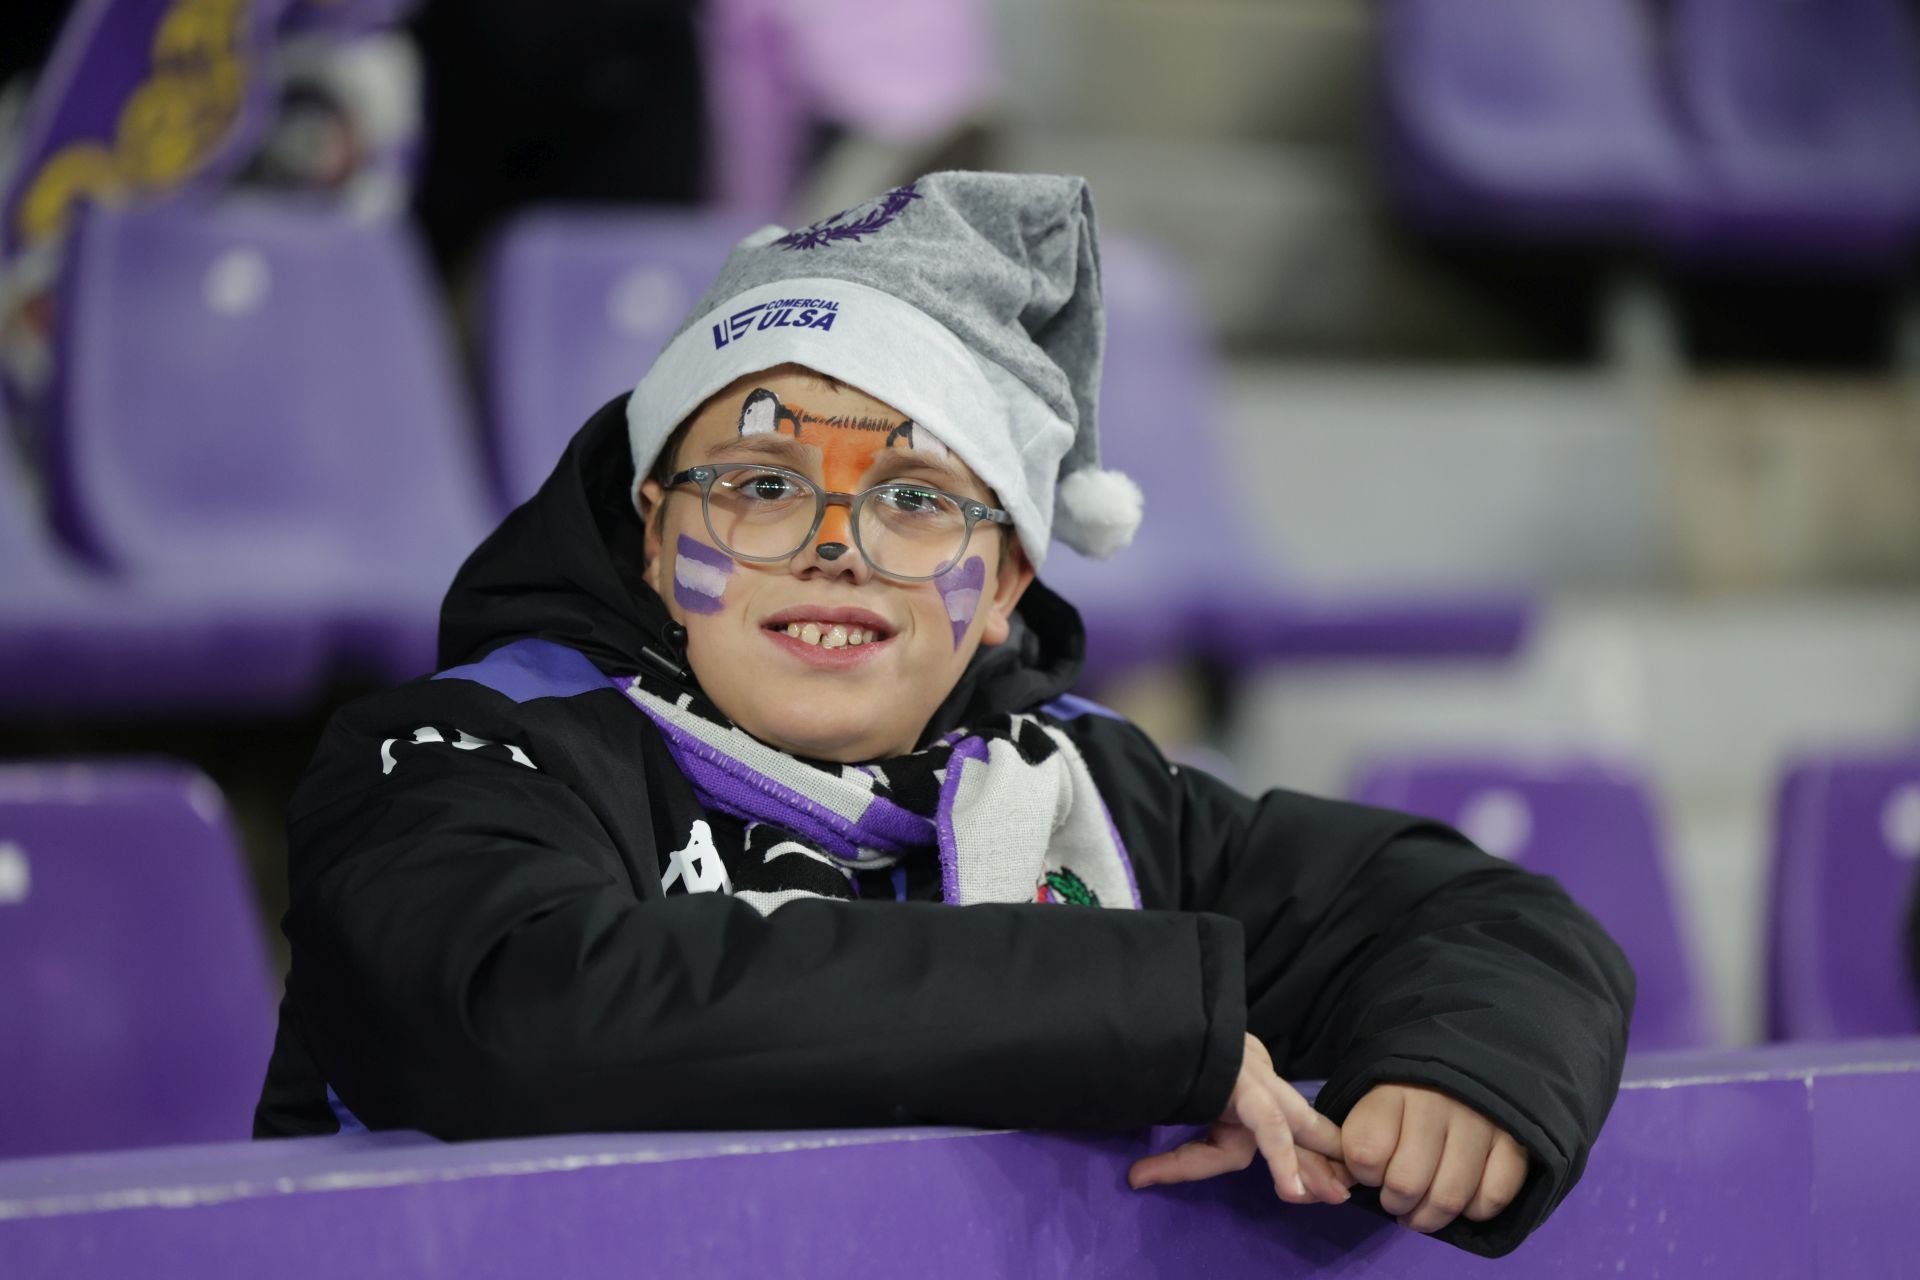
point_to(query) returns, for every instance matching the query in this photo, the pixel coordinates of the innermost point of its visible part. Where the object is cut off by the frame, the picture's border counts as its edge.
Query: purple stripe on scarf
(1119, 847)
(964, 750)
(735, 788)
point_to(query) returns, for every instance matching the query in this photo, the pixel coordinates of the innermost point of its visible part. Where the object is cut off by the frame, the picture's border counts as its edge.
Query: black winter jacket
(481, 947)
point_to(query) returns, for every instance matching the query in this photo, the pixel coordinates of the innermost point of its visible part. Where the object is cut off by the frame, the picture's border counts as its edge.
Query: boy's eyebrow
(772, 444)
(890, 461)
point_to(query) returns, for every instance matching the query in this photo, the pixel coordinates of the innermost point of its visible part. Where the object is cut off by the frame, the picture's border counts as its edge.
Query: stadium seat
(1846, 850)
(256, 403)
(1197, 580)
(74, 644)
(134, 989)
(1804, 124)
(1591, 826)
(1510, 117)
(578, 306)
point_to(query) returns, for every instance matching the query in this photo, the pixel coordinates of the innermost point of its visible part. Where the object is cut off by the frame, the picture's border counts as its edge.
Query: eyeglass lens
(904, 530)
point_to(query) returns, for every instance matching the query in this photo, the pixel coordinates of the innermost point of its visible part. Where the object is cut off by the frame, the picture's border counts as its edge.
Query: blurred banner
(154, 99)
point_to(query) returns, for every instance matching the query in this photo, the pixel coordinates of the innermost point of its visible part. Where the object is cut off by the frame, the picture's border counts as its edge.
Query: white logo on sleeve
(426, 733)
(698, 866)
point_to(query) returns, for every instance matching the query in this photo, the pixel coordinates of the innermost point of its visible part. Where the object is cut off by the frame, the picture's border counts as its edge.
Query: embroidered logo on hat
(843, 227)
(781, 313)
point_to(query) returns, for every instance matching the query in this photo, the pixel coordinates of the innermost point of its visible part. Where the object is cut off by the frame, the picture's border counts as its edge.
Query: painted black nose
(831, 550)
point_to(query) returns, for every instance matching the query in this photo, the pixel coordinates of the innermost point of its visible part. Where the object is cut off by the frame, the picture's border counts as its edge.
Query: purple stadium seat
(579, 304)
(256, 403)
(136, 996)
(1805, 127)
(74, 644)
(1521, 118)
(1589, 825)
(1199, 579)
(1847, 846)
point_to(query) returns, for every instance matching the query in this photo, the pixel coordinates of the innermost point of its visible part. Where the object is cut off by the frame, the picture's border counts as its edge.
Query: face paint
(960, 588)
(700, 574)
(848, 445)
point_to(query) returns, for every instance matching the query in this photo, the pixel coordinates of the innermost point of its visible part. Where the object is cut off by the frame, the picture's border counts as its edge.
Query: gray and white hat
(970, 302)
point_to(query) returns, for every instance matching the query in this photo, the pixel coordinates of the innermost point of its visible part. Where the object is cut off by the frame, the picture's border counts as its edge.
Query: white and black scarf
(1005, 811)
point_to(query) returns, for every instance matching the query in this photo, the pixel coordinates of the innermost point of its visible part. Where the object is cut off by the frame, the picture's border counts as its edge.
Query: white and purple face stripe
(960, 587)
(700, 574)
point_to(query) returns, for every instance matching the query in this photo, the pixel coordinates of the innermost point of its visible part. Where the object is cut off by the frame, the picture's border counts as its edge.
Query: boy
(763, 675)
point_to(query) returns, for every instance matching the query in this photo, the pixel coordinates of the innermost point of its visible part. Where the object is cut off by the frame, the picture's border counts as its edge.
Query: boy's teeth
(831, 635)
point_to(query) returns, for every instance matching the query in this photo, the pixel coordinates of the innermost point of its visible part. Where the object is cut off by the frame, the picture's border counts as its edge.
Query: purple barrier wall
(1779, 1162)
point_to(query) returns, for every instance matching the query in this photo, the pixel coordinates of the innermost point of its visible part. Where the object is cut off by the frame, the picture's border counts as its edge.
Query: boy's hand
(1432, 1157)
(1267, 1116)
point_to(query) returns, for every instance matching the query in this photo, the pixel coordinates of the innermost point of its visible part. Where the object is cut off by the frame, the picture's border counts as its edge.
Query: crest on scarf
(845, 227)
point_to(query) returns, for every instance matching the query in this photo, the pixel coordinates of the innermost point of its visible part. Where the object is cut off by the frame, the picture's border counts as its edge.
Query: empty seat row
(261, 466)
(1846, 853)
(1716, 130)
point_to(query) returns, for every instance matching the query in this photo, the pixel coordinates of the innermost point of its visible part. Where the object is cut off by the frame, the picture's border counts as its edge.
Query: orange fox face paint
(848, 445)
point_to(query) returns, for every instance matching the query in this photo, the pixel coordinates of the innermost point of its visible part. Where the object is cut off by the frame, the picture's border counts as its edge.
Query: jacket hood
(567, 566)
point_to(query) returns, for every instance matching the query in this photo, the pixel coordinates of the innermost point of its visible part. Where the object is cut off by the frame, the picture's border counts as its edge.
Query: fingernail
(1299, 1185)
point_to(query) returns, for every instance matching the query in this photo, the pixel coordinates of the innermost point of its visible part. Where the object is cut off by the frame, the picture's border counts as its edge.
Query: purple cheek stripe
(700, 574)
(960, 588)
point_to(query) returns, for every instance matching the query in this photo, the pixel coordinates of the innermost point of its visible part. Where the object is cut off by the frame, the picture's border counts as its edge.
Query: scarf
(1005, 811)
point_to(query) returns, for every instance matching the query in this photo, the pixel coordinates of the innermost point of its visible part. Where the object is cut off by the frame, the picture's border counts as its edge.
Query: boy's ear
(1009, 584)
(647, 500)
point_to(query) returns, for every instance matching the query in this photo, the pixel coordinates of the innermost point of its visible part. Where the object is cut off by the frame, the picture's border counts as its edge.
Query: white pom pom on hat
(1097, 512)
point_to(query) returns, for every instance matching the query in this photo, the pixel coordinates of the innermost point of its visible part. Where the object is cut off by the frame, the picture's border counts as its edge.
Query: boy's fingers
(1463, 1161)
(1423, 1135)
(1226, 1148)
(1505, 1173)
(1371, 1133)
(1260, 1112)
(1310, 1129)
(1323, 1177)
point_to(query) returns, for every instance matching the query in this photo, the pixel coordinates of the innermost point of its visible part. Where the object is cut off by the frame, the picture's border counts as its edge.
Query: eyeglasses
(764, 514)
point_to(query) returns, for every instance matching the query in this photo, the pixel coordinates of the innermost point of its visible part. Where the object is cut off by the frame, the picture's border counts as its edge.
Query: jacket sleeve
(472, 958)
(1385, 948)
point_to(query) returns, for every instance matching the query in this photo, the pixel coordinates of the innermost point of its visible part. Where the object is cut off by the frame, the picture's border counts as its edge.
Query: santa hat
(970, 302)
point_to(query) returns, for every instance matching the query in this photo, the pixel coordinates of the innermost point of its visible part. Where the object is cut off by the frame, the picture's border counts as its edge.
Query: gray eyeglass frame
(707, 474)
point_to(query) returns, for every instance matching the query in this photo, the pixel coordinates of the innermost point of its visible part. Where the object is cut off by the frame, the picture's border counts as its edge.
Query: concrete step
(1264, 70)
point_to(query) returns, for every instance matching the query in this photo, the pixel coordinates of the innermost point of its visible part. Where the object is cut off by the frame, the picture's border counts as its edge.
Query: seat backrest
(1546, 113)
(1590, 825)
(257, 390)
(578, 306)
(1817, 98)
(1846, 854)
(135, 1000)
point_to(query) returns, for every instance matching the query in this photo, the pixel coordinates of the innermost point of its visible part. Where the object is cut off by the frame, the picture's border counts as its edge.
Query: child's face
(889, 651)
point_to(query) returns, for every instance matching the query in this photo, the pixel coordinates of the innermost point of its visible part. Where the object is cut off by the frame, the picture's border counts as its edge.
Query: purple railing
(1789, 1162)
